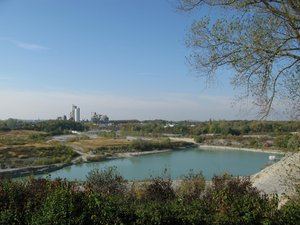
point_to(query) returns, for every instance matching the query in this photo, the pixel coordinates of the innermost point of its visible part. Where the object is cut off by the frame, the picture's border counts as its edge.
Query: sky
(122, 58)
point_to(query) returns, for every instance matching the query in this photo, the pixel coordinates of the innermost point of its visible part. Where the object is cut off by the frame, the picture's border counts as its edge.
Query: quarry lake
(177, 163)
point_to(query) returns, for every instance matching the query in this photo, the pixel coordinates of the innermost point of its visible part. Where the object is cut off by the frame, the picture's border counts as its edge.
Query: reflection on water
(177, 163)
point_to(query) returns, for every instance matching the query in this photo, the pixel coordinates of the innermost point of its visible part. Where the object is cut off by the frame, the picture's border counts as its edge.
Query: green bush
(236, 201)
(293, 143)
(228, 200)
(192, 186)
(199, 139)
(109, 209)
(281, 141)
(159, 189)
(290, 213)
(142, 145)
(12, 202)
(106, 182)
(61, 207)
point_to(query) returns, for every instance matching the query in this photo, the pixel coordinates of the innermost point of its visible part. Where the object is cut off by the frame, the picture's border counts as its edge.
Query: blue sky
(123, 58)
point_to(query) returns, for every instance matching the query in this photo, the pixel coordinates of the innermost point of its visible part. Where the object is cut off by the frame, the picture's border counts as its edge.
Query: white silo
(77, 114)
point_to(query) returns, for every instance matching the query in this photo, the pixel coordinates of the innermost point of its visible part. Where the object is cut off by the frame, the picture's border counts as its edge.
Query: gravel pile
(280, 178)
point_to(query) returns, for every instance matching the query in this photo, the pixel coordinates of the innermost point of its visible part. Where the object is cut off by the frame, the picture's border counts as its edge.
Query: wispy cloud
(29, 46)
(26, 45)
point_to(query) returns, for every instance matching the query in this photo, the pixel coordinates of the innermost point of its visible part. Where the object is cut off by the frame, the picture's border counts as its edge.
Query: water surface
(177, 163)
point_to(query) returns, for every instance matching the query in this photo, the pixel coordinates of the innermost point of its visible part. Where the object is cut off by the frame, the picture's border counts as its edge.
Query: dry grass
(26, 148)
(92, 144)
(19, 133)
(38, 154)
(21, 137)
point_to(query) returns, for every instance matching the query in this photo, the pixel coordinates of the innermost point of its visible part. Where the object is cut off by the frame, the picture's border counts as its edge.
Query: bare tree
(261, 43)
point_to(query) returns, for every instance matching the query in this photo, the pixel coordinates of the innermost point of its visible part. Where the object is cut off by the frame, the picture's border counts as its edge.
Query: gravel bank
(130, 154)
(280, 178)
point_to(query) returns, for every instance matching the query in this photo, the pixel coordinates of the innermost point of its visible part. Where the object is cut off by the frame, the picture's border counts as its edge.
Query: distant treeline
(187, 128)
(53, 127)
(159, 127)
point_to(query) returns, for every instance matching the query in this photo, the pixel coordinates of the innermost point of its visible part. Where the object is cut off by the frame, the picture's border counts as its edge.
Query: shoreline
(220, 147)
(228, 148)
(132, 154)
(37, 170)
(31, 170)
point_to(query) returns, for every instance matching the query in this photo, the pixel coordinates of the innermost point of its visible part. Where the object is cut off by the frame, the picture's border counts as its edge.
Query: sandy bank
(190, 140)
(212, 147)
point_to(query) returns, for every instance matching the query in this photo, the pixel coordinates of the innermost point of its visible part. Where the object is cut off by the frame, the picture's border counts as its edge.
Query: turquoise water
(177, 163)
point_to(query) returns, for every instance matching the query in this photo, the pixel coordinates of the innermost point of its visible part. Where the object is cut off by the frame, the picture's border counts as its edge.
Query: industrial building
(75, 113)
(99, 119)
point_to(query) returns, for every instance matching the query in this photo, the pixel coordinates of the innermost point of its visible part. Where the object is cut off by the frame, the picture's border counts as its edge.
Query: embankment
(32, 170)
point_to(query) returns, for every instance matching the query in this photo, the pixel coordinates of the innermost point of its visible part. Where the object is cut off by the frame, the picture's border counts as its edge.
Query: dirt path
(82, 155)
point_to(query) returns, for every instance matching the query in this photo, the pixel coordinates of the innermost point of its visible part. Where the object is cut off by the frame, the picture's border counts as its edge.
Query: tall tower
(72, 113)
(77, 114)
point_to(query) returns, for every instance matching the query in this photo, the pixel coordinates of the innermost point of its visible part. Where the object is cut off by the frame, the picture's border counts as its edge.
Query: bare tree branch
(261, 43)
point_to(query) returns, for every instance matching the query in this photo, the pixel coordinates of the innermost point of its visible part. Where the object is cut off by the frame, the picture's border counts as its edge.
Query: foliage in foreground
(227, 200)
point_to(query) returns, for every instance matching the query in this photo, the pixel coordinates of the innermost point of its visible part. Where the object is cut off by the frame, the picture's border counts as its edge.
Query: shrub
(110, 209)
(290, 213)
(12, 202)
(199, 139)
(36, 192)
(106, 182)
(236, 201)
(192, 186)
(294, 143)
(159, 189)
(281, 141)
(141, 145)
(155, 212)
(228, 200)
(61, 207)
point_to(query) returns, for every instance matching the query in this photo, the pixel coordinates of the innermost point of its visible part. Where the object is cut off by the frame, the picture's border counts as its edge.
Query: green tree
(261, 43)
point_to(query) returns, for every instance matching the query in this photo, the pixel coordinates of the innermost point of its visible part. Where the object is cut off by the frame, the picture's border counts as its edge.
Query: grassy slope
(26, 148)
